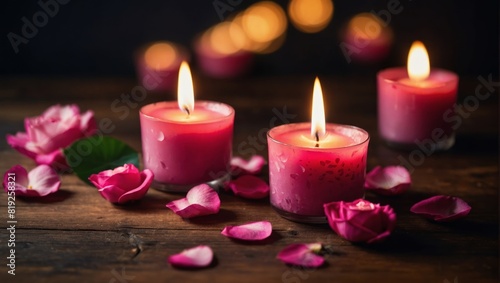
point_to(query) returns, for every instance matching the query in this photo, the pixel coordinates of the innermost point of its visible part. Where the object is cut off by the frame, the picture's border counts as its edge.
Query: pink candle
(310, 166)
(158, 64)
(412, 108)
(186, 143)
(218, 56)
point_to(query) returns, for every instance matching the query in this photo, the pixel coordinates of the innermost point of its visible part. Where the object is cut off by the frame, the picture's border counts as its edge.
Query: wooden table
(77, 236)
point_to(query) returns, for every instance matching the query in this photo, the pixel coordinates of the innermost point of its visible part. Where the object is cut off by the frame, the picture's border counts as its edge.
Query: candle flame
(418, 62)
(185, 92)
(318, 128)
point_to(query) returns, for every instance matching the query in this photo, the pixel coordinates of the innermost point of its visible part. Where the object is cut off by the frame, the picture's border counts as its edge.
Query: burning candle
(412, 103)
(315, 163)
(157, 65)
(186, 143)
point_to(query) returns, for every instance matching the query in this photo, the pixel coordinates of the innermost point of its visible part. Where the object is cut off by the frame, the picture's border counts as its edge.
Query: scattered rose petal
(39, 182)
(253, 166)
(360, 220)
(390, 180)
(123, 184)
(442, 208)
(249, 186)
(197, 257)
(302, 255)
(56, 128)
(200, 200)
(251, 231)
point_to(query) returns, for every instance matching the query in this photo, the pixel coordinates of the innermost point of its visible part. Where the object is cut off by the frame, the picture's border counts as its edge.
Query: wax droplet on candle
(160, 136)
(283, 158)
(302, 168)
(294, 176)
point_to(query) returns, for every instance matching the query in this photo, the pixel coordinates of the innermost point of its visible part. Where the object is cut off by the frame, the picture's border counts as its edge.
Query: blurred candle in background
(366, 38)
(227, 49)
(158, 63)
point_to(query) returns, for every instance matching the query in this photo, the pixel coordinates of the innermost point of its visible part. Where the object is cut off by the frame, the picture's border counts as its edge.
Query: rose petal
(442, 208)
(302, 255)
(251, 231)
(44, 180)
(253, 166)
(39, 182)
(200, 256)
(147, 177)
(248, 186)
(18, 142)
(200, 200)
(18, 175)
(390, 180)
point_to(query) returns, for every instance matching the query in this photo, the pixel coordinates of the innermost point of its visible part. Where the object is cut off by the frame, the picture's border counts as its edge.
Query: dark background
(98, 38)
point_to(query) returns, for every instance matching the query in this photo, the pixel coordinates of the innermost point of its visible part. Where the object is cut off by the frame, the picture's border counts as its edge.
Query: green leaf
(98, 153)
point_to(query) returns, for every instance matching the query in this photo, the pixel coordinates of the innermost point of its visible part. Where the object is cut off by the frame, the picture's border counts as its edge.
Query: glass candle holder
(303, 177)
(186, 151)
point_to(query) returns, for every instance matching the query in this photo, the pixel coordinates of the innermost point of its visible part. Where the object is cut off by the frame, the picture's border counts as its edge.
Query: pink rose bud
(122, 184)
(46, 135)
(360, 220)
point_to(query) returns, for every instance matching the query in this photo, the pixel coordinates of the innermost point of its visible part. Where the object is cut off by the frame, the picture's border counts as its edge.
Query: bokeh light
(310, 15)
(264, 21)
(160, 56)
(366, 26)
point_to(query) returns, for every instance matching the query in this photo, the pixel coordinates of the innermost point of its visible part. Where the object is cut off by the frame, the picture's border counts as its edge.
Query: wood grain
(76, 236)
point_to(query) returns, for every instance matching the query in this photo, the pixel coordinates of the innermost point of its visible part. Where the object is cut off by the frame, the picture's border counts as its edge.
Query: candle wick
(316, 135)
(187, 110)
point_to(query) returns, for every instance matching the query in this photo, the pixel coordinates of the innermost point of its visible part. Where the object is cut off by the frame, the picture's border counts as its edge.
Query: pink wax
(303, 177)
(410, 112)
(184, 149)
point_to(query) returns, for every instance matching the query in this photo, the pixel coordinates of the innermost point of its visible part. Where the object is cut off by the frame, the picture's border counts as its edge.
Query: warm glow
(160, 56)
(418, 62)
(264, 22)
(365, 26)
(185, 92)
(222, 41)
(318, 128)
(310, 15)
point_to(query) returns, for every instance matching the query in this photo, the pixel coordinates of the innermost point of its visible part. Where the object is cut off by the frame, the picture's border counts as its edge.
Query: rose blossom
(360, 220)
(122, 184)
(46, 135)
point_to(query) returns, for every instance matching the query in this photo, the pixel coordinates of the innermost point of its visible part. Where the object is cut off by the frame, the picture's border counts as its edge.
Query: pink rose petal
(248, 186)
(253, 166)
(200, 200)
(442, 208)
(390, 180)
(253, 231)
(197, 257)
(302, 255)
(39, 182)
